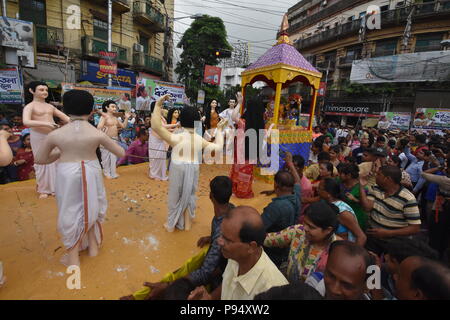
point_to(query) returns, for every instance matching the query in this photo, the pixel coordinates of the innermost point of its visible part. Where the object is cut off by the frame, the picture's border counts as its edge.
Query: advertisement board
(10, 86)
(322, 89)
(18, 34)
(431, 119)
(149, 90)
(201, 97)
(212, 75)
(408, 67)
(121, 96)
(394, 120)
(108, 63)
(123, 78)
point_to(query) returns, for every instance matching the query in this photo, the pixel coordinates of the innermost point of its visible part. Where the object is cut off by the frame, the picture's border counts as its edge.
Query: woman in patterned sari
(309, 242)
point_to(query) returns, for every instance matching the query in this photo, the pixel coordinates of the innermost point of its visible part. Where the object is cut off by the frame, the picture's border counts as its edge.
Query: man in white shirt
(341, 132)
(249, 270)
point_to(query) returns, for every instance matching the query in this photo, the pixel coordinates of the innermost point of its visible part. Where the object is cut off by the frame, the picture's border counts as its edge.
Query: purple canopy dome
(283, 53)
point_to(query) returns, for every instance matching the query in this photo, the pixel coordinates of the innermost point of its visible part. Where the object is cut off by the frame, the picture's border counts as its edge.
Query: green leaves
(200, 43)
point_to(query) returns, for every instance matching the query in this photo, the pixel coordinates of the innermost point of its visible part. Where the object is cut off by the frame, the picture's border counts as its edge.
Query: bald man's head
(243, 234)
(420, 278)
(250, 224)
(284, 180)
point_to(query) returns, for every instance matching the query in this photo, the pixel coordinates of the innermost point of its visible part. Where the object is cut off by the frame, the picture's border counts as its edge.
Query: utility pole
(67, 61)
(109, 36)
(167, 47)
(4, 8)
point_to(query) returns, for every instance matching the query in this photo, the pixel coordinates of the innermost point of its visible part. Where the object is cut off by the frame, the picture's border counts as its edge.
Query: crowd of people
(366, 203)
(366, 199)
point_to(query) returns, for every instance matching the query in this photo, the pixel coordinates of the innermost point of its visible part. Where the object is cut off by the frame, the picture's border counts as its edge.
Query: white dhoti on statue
(157, 153)
(45, 173)
(109, 163)
(82, 203)
(229, 142)
(183, 183)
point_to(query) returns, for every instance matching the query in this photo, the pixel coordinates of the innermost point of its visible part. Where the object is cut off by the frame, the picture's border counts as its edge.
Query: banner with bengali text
(430, 118)
(10, 86)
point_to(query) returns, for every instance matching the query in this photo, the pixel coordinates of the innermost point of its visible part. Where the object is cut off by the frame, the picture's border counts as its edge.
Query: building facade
(70, 33)
(330, 35)
(230, 77)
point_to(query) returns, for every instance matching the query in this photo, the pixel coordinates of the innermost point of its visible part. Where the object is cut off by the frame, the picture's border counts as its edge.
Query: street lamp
(195, 16)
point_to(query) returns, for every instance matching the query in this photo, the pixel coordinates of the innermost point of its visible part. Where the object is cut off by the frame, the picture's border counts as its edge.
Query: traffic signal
(223, 53)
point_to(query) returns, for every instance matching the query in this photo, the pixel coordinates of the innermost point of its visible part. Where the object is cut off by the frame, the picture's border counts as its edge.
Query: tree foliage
(200, 43)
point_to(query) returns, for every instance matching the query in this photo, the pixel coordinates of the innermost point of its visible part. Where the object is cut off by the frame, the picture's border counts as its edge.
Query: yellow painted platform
(136, 248)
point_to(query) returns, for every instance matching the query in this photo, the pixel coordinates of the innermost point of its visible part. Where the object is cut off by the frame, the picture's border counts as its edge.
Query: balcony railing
(146, 14)
(322, 14)
(145, 61)
(120, 6)
(49, 37)
(388, 18)
(348, 60)
(328, 64)
(384, 52)
(436, 47)
(92, 46)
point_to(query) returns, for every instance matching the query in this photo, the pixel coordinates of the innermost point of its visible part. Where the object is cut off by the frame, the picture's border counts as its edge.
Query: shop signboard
(394, 120)
(431, 119)
(149, 90)
(92, 73)
(10, 86)
(101, 94)
(18, 34)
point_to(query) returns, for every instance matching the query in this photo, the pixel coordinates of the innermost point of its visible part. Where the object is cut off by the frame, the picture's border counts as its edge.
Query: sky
(254, 21)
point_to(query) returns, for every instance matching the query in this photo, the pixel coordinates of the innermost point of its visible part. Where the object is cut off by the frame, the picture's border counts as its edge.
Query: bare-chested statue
(38, 116)
(80, 192)
(184, 169)
(110, 124)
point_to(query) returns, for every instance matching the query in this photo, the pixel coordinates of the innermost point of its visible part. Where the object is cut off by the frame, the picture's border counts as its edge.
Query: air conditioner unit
(138, 47)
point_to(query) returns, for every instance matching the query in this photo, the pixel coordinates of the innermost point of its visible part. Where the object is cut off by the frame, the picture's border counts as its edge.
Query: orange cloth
(214, 119)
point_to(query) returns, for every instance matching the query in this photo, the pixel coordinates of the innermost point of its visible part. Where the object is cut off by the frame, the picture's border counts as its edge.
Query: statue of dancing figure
(109, 124)
(80, 192)
(38, 116)
(184, 169)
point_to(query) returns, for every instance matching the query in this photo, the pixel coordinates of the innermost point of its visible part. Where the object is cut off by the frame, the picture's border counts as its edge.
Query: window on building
(400, 4)
(353, 53)
(428, 42)
(329, 60)
(33, 10)
(144, 42)
(100, 29)
(384, 8)
(386, 47)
